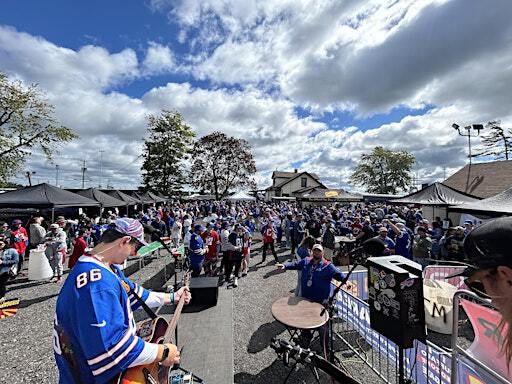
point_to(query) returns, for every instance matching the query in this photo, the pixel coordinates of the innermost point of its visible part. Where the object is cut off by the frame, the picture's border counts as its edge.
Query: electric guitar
(157, 331)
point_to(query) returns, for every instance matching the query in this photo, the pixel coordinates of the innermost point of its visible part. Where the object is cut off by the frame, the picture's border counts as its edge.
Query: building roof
(483, 179)
(280, 174)
(297, 175)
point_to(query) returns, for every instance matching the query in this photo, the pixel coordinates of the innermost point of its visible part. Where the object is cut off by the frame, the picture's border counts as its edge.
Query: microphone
(149, 229)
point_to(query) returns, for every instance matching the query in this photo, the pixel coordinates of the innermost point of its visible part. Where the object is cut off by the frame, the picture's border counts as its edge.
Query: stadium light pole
(476, 128)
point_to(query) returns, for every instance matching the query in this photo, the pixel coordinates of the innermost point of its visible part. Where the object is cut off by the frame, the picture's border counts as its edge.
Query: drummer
(316, 275)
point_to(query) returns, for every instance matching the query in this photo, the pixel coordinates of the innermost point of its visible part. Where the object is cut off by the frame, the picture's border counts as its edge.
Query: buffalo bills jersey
(94, 331)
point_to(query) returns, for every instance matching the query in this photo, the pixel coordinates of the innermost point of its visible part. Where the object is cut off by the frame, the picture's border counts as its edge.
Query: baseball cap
(56, 226)
(129, 227)
(488, 246)
(318, 246)
(198, 227)
(17, 221)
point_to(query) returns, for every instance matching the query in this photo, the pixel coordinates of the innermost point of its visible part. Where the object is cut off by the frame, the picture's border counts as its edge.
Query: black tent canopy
(101, 197)
(155, 197)
(437, 194)
(128, 200)
(44, 196)
(499, 204)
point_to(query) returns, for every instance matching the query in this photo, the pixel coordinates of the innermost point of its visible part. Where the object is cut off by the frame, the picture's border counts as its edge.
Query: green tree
(27, 123)
(222, 163)
(384, 171)
(165, 151)
(497, 142)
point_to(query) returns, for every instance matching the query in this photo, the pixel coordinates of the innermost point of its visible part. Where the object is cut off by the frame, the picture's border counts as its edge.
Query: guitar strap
(148, 310)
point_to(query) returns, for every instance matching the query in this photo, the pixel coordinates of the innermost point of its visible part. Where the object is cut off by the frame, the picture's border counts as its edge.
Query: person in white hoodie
(56, 250)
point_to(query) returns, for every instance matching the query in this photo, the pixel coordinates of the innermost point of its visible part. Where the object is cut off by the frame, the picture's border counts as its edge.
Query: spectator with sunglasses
(94, 330)
(489, 269)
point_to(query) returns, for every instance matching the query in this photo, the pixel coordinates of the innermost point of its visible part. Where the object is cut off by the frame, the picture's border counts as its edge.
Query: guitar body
(151, 331)
(157, 331)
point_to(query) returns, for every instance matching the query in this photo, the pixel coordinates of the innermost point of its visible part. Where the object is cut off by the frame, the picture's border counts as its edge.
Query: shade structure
(101, 197)
(156, 198)
(44, 196)
(333, 195)
(128, 200)
(501, 204)
(144, 198)
(436, 194)
(241, 196)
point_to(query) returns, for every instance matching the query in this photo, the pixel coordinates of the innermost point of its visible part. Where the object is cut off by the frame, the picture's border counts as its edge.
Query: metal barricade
(460, 355)
(352, 326)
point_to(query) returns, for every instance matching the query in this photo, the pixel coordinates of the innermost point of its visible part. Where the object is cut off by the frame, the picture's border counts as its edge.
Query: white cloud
(159, 59)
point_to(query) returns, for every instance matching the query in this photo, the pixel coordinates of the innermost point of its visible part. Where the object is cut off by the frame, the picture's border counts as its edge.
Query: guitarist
(94, 331)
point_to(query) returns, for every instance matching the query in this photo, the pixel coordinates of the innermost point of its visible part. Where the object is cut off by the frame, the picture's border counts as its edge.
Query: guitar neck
(175, 318)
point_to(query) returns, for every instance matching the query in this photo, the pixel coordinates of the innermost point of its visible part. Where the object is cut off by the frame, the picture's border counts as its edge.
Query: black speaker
(205, 291)
(395, 296)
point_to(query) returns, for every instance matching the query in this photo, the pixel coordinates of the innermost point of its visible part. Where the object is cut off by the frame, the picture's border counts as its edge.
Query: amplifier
(205, 291)
(395, 297)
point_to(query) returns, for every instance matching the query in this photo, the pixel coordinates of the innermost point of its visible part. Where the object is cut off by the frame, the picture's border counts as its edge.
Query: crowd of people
(218, 236)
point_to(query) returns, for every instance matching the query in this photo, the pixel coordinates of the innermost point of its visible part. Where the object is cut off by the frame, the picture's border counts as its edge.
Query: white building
(292, 184)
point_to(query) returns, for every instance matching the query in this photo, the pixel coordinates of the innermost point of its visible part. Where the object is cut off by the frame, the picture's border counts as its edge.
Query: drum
(299, 313)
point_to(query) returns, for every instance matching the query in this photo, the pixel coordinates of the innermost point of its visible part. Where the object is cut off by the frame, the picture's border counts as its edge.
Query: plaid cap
(130, 227)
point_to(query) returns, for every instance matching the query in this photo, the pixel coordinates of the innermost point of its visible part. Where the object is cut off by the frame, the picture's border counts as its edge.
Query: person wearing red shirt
(211, 240)
(269, 235)
(19, 238)
(79, 247)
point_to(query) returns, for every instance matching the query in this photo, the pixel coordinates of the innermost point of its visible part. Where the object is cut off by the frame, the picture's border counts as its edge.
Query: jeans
(420, 260)
(228, 267)
(196, 269)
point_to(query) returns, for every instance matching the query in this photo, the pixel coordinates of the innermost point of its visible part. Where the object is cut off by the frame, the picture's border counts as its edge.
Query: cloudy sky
(310, 84)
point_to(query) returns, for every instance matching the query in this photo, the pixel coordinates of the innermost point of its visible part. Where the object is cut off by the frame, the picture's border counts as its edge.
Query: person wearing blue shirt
(316, 276)
(94, 337)
(197, 250)
(8, 258)
(402, 238)
(390, 244)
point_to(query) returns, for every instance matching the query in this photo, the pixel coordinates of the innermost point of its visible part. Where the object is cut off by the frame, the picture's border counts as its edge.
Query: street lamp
(29, 176)
(476, 128)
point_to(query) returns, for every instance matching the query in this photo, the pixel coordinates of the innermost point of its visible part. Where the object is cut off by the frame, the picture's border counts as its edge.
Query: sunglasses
(477, 286)
(137, 245)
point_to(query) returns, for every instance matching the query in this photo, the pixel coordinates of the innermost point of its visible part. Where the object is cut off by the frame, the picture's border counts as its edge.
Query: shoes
(58, 280)
(235, 282)
(244, 274)
(53, 279)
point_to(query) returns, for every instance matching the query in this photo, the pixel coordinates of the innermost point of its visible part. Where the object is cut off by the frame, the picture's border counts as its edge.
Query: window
(303, 182)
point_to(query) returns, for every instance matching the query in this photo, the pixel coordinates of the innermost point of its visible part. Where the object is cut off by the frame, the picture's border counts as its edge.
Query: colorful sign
(489, 337)
(9, 308)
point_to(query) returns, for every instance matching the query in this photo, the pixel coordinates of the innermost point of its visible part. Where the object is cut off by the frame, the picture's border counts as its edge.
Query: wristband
(172, 300)
(165, 353)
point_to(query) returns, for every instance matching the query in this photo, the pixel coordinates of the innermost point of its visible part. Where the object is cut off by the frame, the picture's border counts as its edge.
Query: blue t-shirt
(320, 276)
(94, 317)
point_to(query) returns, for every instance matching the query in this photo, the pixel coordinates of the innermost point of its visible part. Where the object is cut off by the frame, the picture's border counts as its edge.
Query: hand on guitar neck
(183, 291)
(173, 356)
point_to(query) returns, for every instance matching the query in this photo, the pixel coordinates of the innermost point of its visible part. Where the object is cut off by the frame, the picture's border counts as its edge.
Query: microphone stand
(329, 305)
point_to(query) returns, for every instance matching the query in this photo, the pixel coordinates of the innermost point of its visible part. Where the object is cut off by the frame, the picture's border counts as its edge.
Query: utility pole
(101, 168)
(56, 175)
(83, 174)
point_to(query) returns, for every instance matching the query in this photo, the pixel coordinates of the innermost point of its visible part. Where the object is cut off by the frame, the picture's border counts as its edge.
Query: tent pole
(53, 215)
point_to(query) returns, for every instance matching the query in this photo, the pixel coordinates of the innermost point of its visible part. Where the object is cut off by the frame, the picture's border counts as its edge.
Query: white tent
(241, 196)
